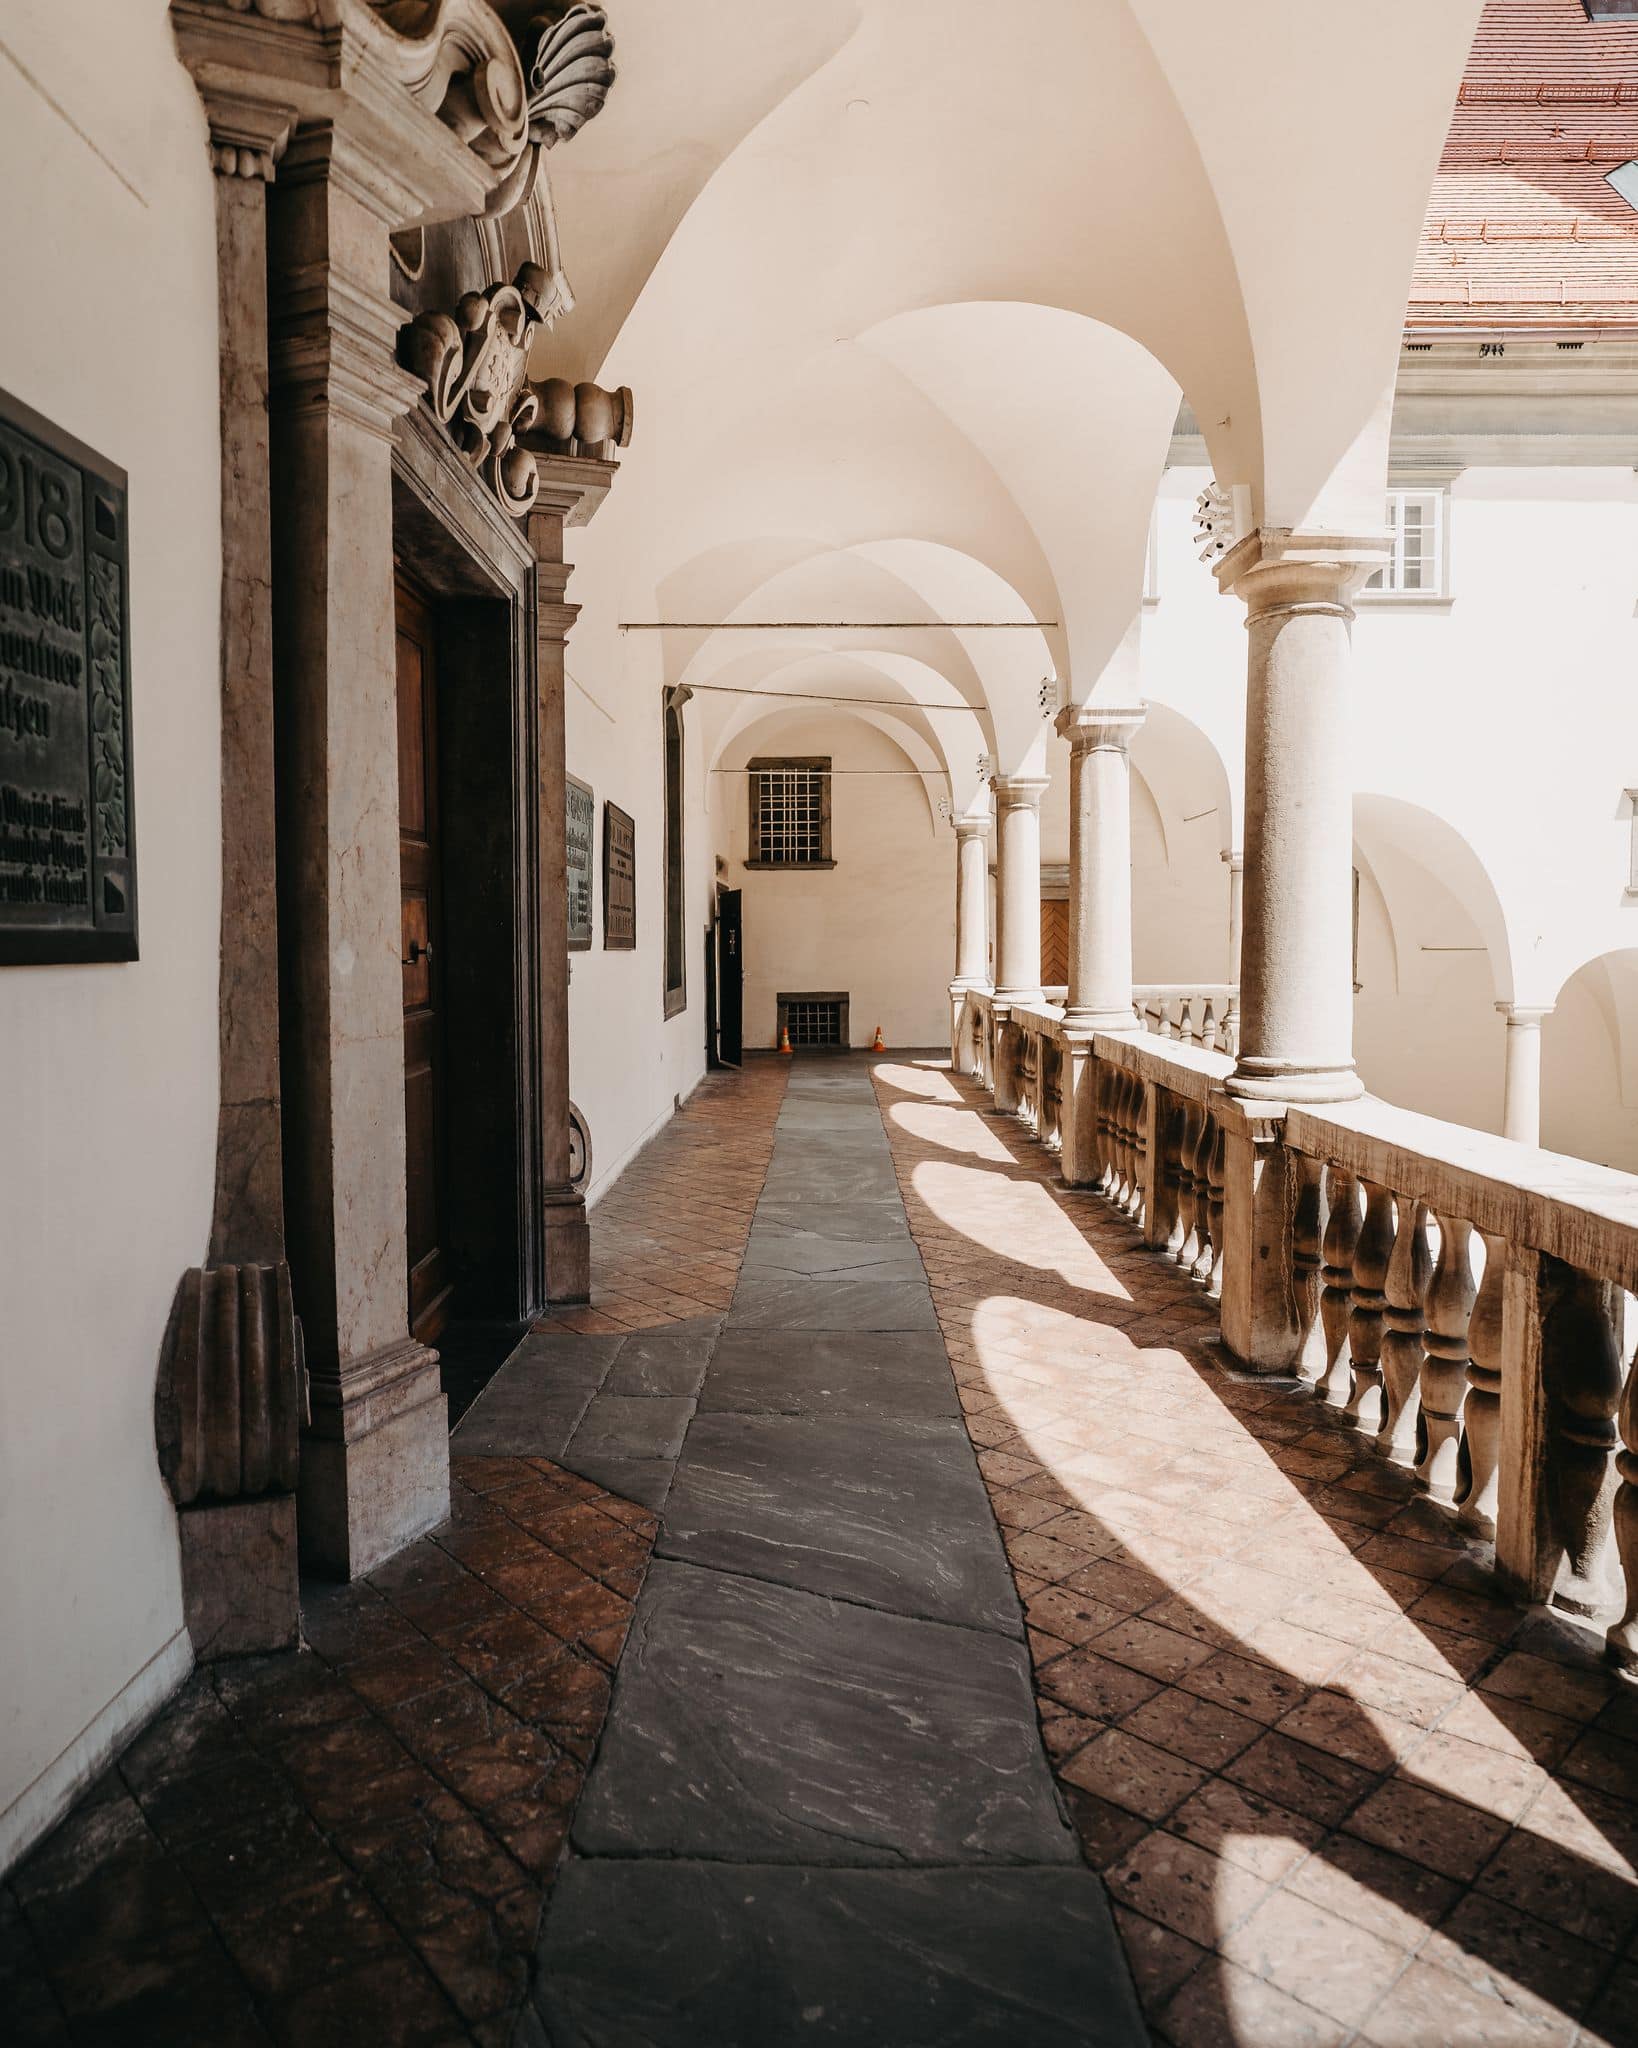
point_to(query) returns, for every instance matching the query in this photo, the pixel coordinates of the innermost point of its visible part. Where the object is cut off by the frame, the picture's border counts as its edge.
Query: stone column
(375, 1459)
(1296, 951)
(1521, 1076)
(1018, 885)
(972, 924)
(1296, 969)
(1100, 913)
(1236, 865)
(1100, 865)
(1017, 920)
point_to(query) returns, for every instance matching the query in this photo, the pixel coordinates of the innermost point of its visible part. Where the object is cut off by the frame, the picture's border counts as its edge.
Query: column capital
(1525, 1016)
(1276, 569)
(972, 828)
(1234, 862)
(247, 135)
(1015, 792)
(1089, 726)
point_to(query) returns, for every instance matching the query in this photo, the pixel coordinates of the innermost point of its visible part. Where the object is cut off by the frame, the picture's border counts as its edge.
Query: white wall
(1493, 737)
(629, 1065)
(880, 925)
(108, 1084)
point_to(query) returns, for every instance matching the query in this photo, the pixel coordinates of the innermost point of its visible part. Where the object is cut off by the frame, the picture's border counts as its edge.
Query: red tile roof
(1522, 228)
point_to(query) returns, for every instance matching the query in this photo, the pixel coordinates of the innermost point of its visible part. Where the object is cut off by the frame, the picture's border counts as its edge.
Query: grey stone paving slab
(819, 1115)
(832, 1301)
(524, 1412)
(570, 1356)
(756, 1723)
(644, 1480)
(890, 1512)
(675, 1955)
(631, 1426)
(830, 1372)
(876, 1219)
(867, 1177)
(668, 1361)
(777, 1251)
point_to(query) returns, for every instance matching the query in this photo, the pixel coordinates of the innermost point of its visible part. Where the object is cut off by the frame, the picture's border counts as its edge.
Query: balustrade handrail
(1573, 1210)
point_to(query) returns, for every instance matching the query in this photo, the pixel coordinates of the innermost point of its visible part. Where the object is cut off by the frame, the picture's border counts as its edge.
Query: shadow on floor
(1339, 1790)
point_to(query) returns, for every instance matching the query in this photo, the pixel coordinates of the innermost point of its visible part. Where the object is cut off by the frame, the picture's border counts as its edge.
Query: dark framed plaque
(580, 827)
(67, 837)
(619, 878)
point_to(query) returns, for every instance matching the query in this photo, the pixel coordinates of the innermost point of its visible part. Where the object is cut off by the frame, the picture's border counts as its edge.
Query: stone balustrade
(1198, 1013)
(1457, 1297)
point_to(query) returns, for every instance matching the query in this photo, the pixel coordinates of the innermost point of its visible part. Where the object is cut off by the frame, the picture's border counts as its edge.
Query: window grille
(814, 1018)
(1416, 521)
(790, 814)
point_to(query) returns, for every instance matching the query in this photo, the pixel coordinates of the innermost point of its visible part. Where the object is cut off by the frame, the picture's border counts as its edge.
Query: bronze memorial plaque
(67, 849)
(619, 878)
(580, 826)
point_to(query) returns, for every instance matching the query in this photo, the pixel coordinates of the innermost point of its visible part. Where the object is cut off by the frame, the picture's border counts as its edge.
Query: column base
(568, 1251)
(1264, 1080)
(375, 1465)
(241, 1590)
(1115, 1023)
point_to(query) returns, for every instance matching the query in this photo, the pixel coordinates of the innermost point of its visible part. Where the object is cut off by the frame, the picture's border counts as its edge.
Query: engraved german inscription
(580, 828)
(67, 860)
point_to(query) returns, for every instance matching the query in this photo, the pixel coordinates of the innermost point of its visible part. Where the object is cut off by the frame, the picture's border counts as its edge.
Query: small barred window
(790, 814)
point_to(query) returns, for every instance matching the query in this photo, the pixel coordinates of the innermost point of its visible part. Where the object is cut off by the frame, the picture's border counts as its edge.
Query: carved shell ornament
(570, 75)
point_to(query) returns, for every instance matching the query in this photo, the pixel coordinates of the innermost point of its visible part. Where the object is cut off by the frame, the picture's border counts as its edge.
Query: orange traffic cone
(876, 1043)
(785, 1039)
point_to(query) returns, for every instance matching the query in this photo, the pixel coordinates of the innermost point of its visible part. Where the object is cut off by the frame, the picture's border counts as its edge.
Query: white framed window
(1417, 521)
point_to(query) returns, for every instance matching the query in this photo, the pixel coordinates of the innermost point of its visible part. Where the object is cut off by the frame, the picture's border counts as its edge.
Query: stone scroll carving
(231, 1394)
(474, 363)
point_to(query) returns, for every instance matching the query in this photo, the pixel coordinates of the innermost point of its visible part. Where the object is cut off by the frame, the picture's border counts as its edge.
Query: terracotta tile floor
(1338, 1791)
(668, 1237)
(355, 1844)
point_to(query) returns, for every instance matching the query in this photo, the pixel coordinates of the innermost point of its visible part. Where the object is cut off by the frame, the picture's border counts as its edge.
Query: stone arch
(1589, 1062)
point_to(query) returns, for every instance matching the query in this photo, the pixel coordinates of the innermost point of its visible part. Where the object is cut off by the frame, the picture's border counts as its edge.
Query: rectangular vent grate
(815, 1018)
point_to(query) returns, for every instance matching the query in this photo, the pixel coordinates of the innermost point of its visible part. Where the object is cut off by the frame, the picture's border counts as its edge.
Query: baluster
(1128, 1144)
(1371, 1256)
(1307, 1262)
(1185, 1019)
(1208, 1025)
(1231, 1027)
(1117, 1135)
(1213, 1275)
(1169, 1135)
(1623, 1635)
(1480, 1455)
(1409, 1271)
(1581, 1372)
(1337, 1277)
(1451, 1297)
(1139, 1105)
(1188, 1196)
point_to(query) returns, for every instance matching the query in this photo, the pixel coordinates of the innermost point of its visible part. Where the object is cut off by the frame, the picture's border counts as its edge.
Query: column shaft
(972, 964)
(1018, 886)
(1296, 978)
(1521, 1075)
(1100, 865)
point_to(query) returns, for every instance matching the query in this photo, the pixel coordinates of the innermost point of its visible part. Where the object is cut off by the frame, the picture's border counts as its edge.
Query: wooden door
(1054, 944)
(422, 958)
(730, 979)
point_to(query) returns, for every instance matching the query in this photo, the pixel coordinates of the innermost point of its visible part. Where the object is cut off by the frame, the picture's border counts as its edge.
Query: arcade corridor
(1336, 1792)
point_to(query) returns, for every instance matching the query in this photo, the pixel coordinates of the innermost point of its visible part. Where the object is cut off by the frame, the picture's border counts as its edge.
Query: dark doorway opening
(458, 848)
(730, 978)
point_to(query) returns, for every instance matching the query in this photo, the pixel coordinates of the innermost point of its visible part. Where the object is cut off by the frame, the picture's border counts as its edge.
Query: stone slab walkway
(1341, 1792)
(821, 1810)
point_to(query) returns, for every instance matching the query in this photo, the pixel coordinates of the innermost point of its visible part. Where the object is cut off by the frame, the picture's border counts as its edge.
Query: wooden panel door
(422, 958)
(1054, 944)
